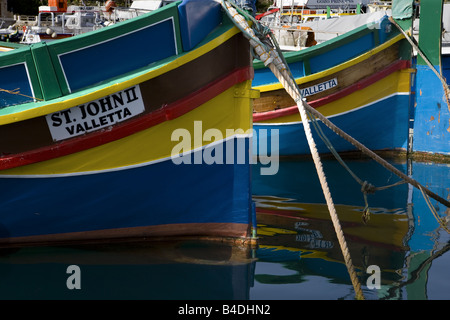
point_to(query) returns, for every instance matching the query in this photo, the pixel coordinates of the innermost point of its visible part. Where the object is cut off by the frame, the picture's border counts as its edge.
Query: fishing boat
(120, 133)
(360, 80)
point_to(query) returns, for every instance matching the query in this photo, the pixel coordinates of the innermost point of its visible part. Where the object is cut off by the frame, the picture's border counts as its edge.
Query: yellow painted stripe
(338, 68)
(226, 112)
(45, 107)
(397, 82)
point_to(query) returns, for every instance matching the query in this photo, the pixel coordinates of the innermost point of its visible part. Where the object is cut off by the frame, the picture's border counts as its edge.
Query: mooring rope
(286, 74)
(272, 57)
(375, 157)
(366, 187)
(322, 178)
(273, 60)
(433, 210)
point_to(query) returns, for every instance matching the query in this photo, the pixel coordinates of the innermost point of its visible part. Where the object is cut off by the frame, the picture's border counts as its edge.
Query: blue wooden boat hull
(369, 125)
(150, 200)
(360, 81)
(89, 148)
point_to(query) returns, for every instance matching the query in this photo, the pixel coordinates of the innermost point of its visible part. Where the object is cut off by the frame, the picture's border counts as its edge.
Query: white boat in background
(55, 23)
(330, 28)
(303, 23)
(298, 24)
(446, 31)
(137, 8)
(58, 20)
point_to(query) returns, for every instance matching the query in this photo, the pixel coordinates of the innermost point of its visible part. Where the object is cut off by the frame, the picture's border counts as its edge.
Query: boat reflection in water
(185, 270)
(295, 230)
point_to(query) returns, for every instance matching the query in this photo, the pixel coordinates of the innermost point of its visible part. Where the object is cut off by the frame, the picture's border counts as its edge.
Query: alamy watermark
(374, 280)
(231, 149)
(73, 282)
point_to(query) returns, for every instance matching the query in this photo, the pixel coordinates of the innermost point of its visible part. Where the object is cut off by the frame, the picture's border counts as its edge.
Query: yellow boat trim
(342, 66)
(226, 112)
(397, 82)
(76, 99)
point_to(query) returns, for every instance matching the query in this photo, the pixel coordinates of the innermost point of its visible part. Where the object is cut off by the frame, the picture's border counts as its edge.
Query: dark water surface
(298, 256)
(402, 236)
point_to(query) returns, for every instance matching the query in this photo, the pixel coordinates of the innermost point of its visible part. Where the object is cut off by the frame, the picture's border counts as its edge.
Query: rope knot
(367, 188)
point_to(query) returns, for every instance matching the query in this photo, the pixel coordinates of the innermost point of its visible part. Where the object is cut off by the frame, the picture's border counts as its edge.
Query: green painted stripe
(45, 72)
(430, 30)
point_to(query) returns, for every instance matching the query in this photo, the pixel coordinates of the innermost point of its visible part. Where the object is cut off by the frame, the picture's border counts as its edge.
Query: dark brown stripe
(192, 76)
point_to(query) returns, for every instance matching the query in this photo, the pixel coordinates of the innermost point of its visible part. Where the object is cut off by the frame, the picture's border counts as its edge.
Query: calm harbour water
(298, 256)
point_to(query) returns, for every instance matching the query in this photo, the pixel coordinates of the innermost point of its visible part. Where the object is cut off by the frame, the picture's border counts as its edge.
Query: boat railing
(25, 20)
(298, 28)
(380, 3)
(46, 19)
(124, 13)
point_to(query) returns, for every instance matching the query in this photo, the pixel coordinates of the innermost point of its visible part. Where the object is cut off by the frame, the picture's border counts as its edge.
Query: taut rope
(269, 53)
(273, 60)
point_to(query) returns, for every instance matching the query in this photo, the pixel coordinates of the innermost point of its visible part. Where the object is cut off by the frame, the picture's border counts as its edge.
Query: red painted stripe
(121, 130)
(398, 65)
